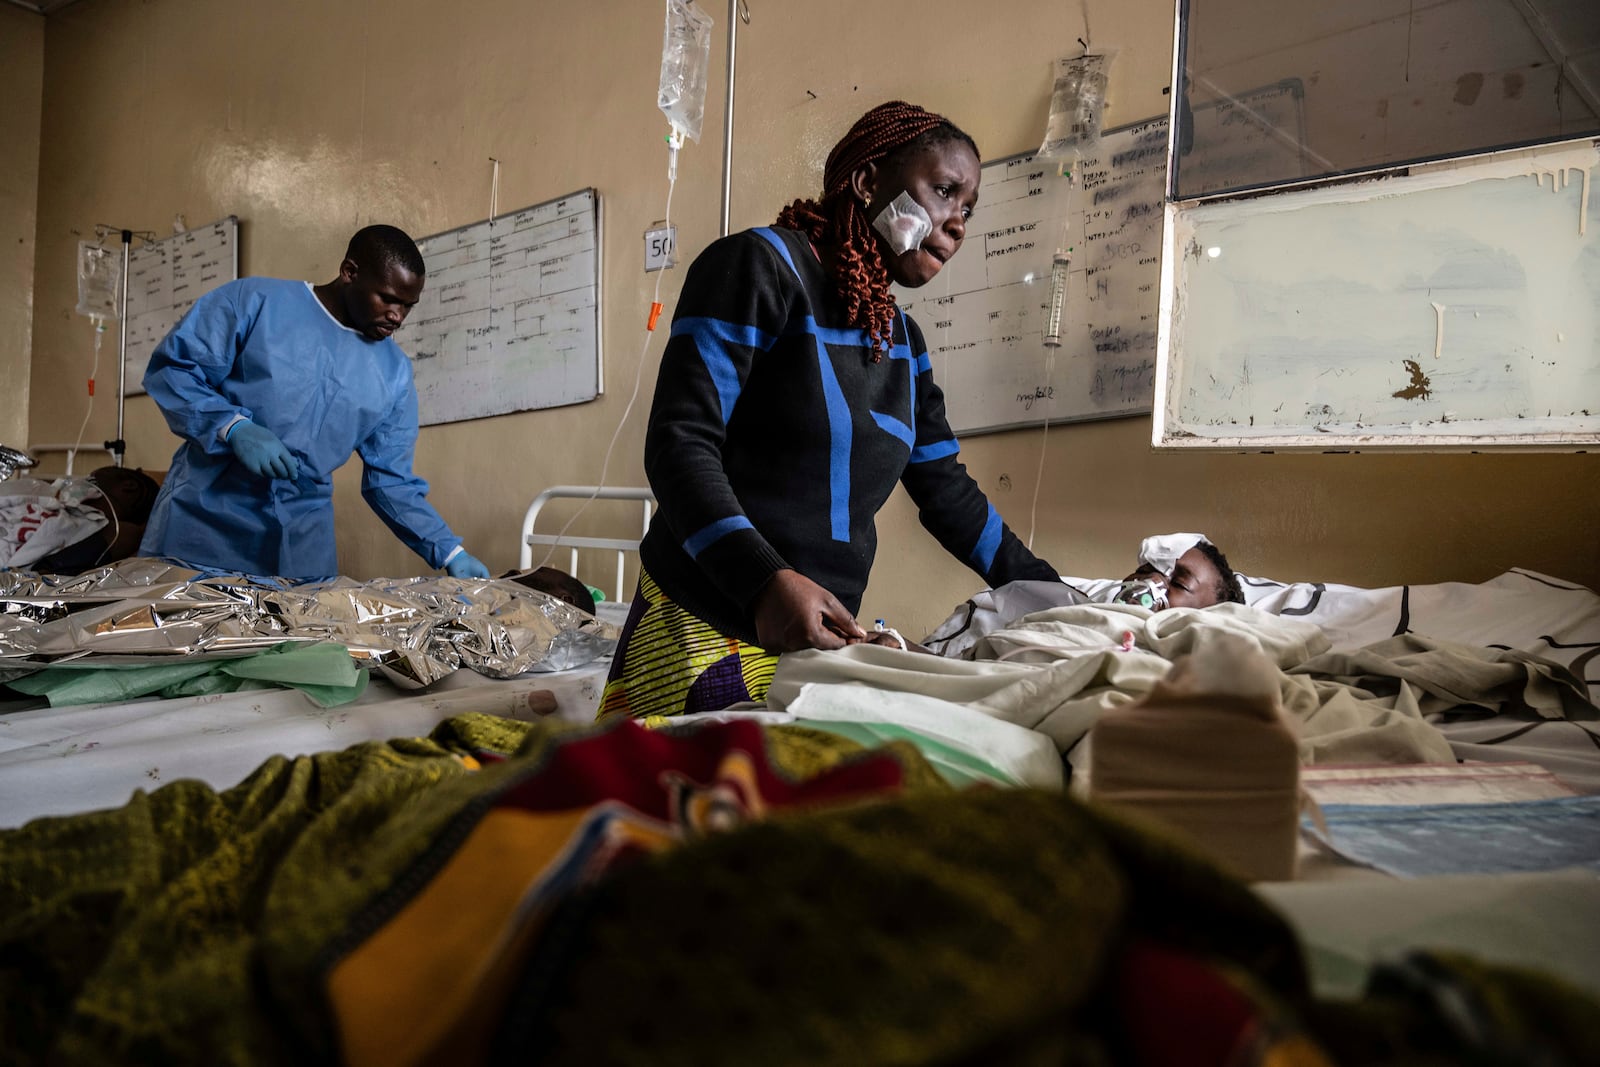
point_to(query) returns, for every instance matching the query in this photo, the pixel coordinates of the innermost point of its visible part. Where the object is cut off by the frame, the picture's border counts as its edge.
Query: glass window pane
(1376, 83)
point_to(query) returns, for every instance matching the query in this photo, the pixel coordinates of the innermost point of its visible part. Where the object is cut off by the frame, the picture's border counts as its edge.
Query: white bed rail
(72, 452)
(620, 545)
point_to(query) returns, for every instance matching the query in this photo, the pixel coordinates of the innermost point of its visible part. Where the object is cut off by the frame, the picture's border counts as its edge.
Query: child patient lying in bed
(1179, 570)
(74, 524)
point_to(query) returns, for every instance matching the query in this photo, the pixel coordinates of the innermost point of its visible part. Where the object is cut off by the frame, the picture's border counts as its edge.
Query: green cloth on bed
(139, 934)
(932, 926)
(322, 670)
(133, 935)
(957, 767)
(986, 926)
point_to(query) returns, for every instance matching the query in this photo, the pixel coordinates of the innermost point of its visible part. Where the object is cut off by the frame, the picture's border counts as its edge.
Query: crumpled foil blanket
(414, 631)
(13, 460)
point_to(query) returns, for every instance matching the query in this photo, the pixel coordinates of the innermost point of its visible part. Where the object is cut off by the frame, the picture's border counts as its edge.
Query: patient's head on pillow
(559, 584)
(1200, 578)
(131, 492)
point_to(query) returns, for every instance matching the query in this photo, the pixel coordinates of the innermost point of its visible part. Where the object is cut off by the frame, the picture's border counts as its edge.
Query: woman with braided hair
(793, 394)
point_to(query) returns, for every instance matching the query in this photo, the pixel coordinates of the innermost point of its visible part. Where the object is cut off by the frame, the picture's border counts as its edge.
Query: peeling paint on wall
(1420, 387)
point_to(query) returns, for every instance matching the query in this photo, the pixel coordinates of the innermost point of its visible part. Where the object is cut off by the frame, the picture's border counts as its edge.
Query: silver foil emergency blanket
(414, 631)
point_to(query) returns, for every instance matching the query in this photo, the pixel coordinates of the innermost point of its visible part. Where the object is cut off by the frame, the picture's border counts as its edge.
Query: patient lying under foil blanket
(414, 631)
(72, 524)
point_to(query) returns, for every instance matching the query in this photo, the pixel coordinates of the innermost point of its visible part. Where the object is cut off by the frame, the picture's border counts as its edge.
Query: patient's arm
(126, 542)
(884, 637)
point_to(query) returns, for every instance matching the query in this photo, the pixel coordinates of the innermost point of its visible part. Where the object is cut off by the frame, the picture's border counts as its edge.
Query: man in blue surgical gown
(272, 385)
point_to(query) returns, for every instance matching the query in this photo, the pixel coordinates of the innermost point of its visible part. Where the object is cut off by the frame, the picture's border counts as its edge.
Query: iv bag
(99, 279)
(1077, 102)
(685, 55)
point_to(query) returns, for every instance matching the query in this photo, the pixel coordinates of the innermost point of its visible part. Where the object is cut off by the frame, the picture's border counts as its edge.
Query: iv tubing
(94, 371)
(1044, 442)
(122, 345)
(638, 372)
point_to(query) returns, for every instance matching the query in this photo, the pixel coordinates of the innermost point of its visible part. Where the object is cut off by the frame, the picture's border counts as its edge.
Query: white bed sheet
(1521, 609)
(1554, 619)
(60, 761)
(1528, 920)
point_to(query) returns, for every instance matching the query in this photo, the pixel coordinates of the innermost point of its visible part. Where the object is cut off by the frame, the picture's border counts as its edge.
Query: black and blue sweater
(774, 439)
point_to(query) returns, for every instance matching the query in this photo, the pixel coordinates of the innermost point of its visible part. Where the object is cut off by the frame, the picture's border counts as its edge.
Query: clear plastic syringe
(1058, 296)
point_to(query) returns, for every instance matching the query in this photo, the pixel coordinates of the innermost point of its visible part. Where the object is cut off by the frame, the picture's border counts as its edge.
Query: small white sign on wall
(660, 246)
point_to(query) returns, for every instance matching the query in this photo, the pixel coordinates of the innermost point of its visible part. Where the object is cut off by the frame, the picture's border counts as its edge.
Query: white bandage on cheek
(903, 224)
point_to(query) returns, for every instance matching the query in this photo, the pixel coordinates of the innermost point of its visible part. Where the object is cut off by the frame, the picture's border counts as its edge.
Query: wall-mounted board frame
(983, 316)
(165, 278)
(1449, 305)
(509, 319)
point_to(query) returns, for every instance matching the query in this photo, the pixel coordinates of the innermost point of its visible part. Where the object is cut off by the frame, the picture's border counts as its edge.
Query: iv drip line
(737, 9)
(1059, 265)
(674, 142)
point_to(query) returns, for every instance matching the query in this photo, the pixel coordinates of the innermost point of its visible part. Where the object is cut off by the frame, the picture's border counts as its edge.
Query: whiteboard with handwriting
(165, 278)
(984, 315)
(509, 319)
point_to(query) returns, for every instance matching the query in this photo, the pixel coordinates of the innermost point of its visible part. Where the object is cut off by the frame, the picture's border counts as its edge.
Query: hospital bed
(64, 760)
(1520, 610)
(217, 739)
(529, 539)
(1346, 917)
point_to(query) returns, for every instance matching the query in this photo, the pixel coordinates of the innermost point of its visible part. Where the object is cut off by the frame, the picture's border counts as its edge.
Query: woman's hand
(793, 612)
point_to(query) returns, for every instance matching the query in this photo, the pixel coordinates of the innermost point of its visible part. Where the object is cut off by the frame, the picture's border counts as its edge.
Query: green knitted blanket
(917, 925)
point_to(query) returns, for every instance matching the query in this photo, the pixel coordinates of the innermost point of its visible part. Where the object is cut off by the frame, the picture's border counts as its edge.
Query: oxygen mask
(1143, 592)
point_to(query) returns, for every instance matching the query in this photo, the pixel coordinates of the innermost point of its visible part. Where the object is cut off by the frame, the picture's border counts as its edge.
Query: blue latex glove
(262, 454)
(465, 565)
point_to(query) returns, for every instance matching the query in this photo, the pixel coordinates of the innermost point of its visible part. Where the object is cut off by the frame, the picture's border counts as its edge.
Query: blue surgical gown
(268, 350)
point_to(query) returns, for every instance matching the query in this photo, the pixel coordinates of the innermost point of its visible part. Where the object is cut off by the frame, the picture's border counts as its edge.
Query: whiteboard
(1455, 304)
(165, 278)
(509, 318)
(983, 316)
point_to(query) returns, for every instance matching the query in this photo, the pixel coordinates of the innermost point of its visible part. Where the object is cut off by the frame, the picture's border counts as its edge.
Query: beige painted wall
(21, 86)
(308, 119)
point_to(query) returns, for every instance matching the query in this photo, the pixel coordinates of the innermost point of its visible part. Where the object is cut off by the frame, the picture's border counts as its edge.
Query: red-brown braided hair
(838, 221)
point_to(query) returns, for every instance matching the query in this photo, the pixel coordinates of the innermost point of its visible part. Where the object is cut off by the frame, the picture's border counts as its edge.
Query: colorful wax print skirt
(669, 662)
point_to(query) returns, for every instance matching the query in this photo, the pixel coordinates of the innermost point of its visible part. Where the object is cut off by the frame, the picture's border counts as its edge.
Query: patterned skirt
(669, 662)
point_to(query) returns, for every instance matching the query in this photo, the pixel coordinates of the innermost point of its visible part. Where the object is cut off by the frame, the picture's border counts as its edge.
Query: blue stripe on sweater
(840, 436)
(840, 428)
(988, 542)
(938, 450)
(711, 339)
(894, 427)
(710, 535)
(766, 234)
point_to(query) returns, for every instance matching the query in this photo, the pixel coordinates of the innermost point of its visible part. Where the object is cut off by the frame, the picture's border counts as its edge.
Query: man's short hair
(377, 247)
(1229, 591)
